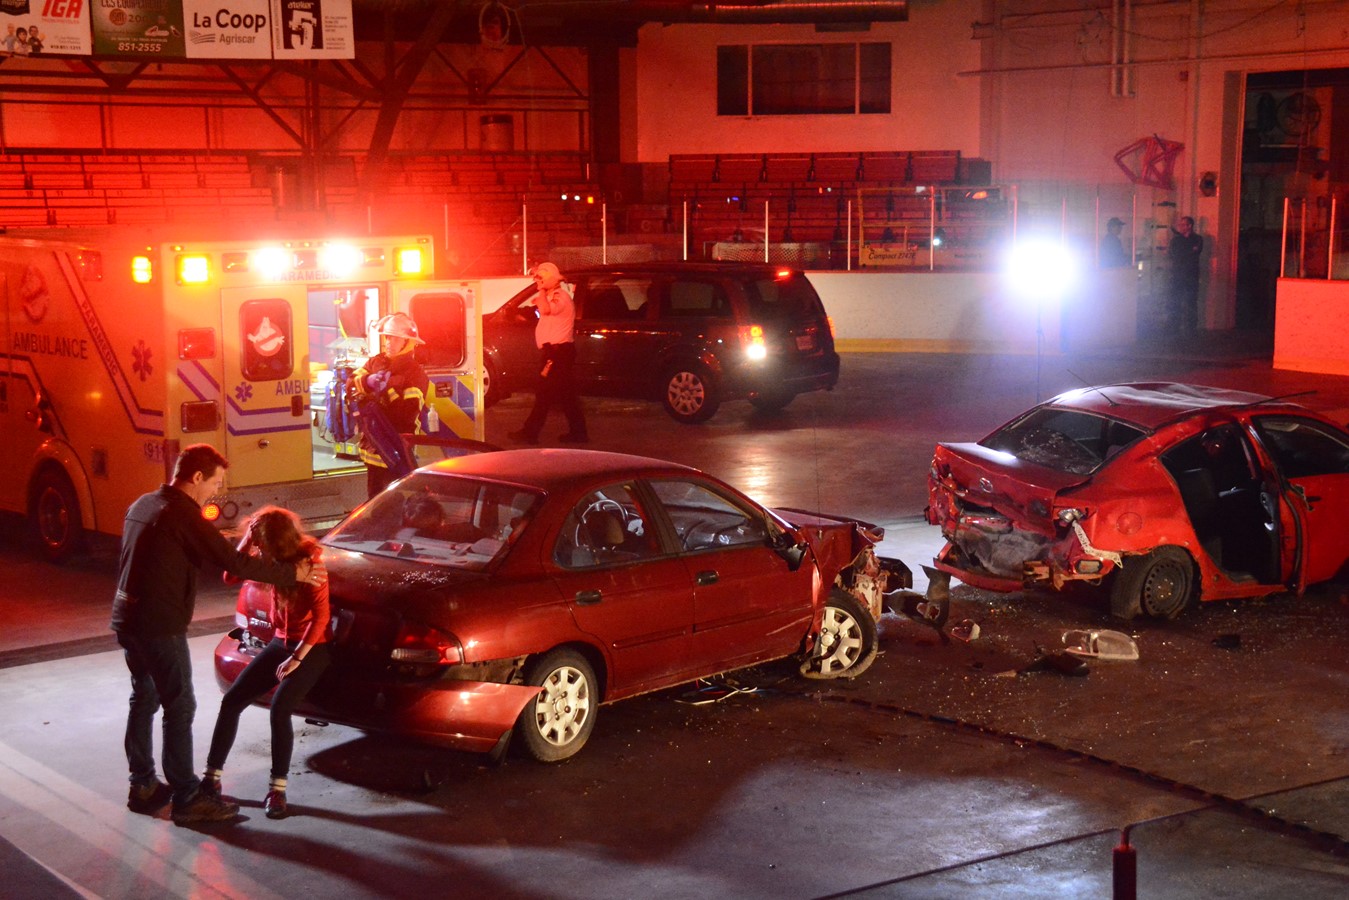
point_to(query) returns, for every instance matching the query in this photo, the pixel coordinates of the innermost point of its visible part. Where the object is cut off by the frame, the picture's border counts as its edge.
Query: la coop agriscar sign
(178, 29)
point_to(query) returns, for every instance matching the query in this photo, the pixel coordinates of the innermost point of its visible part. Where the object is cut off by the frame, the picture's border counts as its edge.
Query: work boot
(523, 437)
(149, 798)
(275, 804)
(211, 787)
(204, 808)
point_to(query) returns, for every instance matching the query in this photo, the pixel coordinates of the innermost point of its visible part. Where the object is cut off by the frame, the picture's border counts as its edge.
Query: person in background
(165, 540)
(401, 386)
(1184, 251)
(1112, 254)
(292, 662)
(555, 337)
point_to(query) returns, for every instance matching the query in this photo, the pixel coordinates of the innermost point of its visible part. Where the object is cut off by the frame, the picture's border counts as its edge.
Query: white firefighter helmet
(399, 325)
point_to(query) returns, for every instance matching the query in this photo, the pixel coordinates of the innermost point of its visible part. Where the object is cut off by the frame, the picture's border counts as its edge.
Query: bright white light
(340, 259)
(756, 351)
(271, 262)
(1041, 269)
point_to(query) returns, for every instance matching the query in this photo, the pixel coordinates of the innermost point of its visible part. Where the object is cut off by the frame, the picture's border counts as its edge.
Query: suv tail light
(423, 645)
(752, 339)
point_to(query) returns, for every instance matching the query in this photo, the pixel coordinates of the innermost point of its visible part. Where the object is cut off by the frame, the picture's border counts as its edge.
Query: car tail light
(423, 645)
(829, 320)
(783, 275)
(752, 339)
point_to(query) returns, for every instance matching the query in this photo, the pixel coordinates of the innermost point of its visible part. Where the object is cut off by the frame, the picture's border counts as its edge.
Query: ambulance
(120, 350)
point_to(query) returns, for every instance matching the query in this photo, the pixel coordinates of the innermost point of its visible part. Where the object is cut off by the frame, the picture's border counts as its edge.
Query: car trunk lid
(374, 600)
(968, 478)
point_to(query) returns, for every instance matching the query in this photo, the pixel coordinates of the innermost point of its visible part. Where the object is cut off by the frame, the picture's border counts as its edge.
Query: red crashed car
(515, 592)
(1166, 493)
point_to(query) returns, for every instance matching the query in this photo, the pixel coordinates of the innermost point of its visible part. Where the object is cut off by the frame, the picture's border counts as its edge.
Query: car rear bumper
(463, 715)
(819, 375)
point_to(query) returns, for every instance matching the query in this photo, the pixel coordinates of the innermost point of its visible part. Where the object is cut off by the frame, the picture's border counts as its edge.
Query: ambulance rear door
(265, 386)
(449, 319)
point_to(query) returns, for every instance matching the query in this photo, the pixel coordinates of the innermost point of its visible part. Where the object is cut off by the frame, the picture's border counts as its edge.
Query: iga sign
(44, 28)
(138, 28)
(232, 29)
(312, 29)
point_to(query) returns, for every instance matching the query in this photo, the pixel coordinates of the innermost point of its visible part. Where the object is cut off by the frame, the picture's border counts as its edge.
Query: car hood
(969, 474)
(835, 540)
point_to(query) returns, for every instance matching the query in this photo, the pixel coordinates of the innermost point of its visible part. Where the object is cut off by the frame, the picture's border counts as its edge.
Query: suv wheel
(689, 394)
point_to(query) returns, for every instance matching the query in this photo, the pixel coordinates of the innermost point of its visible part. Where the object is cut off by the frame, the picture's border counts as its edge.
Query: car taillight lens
(752, 339)
(829, 320)
(423, 645)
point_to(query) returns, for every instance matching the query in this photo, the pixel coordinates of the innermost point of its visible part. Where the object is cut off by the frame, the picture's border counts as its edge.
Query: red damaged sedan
(1166, 493)
(513, 593)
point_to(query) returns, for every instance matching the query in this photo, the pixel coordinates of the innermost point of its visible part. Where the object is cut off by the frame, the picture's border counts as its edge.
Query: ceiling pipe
(780, 12)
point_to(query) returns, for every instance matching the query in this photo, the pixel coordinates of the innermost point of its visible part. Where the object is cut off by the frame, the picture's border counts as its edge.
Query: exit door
(265, 386)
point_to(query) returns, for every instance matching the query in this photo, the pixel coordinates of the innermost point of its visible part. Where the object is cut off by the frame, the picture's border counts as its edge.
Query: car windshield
(782, 299)
(441, 520)
(1063, 439)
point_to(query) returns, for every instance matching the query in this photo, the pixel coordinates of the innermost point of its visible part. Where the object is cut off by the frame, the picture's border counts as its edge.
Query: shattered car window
(1065, 440)
(440, 520)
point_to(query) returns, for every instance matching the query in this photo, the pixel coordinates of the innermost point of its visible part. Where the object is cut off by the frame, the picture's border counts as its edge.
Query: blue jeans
(161, 676)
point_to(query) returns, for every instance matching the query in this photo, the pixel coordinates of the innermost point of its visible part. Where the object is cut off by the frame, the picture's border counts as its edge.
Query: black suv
(688, 334)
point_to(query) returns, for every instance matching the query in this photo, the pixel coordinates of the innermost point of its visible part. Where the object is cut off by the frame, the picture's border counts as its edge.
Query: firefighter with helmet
(395, 380)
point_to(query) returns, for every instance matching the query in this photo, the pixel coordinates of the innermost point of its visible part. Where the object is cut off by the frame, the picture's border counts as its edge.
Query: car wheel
(556, 725)
(55, 513)
(771, 401)
(1160, 584)
(846, 645)
(689, 394)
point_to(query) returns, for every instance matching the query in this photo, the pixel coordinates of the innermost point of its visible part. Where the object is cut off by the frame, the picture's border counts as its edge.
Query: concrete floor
(940, 773)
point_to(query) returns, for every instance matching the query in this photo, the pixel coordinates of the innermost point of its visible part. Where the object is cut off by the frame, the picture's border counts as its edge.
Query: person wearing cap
(1112, 254)
(555, 336)
(400, 385)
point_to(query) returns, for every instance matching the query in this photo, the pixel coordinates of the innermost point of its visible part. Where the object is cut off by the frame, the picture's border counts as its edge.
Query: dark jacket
(402, 397)
(165, 541)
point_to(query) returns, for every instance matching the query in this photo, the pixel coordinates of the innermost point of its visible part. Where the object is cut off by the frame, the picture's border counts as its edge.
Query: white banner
(44, 28)
(233, 29)
(312, 29)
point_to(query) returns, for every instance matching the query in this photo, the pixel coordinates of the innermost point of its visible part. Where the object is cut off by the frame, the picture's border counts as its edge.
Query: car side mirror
(792, 553)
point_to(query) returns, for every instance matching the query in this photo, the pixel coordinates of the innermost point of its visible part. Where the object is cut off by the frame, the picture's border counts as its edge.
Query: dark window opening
(803, 79)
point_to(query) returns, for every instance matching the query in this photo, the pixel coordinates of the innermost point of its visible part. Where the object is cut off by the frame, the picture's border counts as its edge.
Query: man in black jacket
(165, 540)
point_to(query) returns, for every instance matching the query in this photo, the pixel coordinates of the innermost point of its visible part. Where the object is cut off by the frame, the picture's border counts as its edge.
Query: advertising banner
(138, 28)
(44, 28)
(312, 29)
(869, 254)
(236, 29)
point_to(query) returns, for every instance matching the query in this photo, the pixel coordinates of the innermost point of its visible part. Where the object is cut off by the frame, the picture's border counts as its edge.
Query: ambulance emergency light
(340, 259)
(142, 270)
(193, 268)
(408, 261)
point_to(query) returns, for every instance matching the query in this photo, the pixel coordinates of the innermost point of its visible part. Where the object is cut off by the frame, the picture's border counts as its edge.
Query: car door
(509, 349)
(1313, 460)
(747, 603)
(615, 345)
(625, 590)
